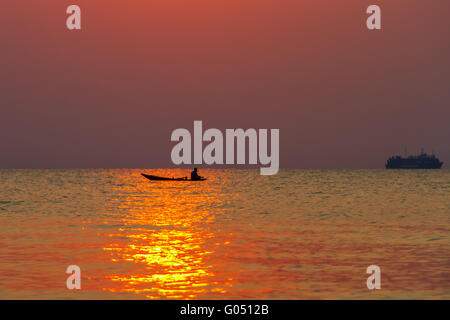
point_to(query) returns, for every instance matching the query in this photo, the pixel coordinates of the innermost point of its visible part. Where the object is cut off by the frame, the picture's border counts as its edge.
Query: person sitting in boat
(195, 176)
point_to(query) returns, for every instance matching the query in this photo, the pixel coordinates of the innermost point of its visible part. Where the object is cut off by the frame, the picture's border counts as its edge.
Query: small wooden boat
(156, 178)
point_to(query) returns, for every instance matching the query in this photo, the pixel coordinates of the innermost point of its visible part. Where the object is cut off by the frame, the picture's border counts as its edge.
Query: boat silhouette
(421, 161)
(156, 178)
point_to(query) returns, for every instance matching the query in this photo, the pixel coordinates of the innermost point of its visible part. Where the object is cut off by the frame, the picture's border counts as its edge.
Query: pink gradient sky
(110, 95)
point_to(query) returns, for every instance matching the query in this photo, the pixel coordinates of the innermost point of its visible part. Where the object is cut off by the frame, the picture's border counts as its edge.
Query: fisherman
(195, 176)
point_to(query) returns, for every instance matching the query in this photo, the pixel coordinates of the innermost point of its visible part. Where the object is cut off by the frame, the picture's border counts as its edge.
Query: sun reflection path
(163, 235)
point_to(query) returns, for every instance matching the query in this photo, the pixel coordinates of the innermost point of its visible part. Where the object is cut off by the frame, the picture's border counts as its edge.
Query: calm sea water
(301, 234)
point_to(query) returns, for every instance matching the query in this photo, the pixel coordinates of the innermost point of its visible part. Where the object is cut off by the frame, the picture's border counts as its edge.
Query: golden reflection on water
(302, 234)
(165, 234)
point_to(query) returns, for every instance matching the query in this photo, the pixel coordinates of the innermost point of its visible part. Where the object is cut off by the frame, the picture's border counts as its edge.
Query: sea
(300, 234)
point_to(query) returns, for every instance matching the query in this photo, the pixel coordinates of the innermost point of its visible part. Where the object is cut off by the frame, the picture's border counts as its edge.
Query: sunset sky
(111, 94)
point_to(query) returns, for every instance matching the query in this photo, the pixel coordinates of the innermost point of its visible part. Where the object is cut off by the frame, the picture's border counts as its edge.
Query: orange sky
(110, 95)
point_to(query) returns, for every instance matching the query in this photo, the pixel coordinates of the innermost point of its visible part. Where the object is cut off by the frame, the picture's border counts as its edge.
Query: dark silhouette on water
(156, 178)
(422, 161)
(195, 176)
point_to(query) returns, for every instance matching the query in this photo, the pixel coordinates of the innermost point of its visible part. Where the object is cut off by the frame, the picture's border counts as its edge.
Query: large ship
(422, 161)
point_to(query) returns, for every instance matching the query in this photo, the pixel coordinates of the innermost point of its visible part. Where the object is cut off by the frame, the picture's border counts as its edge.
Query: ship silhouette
(421, 161)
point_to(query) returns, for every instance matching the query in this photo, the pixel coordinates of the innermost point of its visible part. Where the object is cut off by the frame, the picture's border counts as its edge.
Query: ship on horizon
(421, 161)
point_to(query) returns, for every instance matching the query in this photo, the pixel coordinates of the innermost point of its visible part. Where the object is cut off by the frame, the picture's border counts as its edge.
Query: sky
(109, 95)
